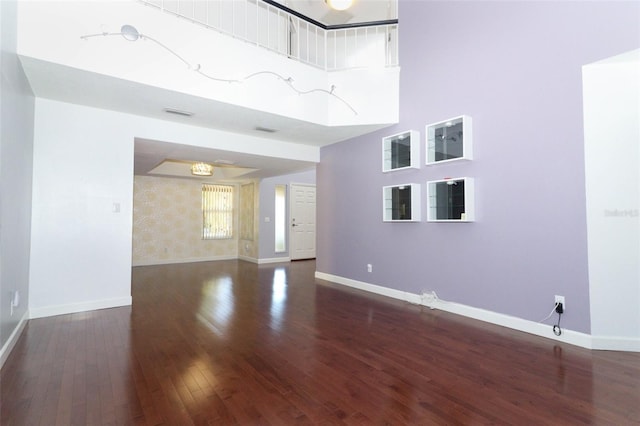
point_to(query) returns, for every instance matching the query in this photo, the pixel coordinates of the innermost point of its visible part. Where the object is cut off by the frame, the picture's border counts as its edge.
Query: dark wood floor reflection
(233, 343)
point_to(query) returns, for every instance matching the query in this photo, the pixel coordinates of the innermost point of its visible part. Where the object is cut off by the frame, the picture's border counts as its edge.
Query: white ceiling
(54, 81)
(359, 12)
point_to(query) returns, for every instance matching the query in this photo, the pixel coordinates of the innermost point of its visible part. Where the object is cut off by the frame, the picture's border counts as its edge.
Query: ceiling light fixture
(129, 32)
(339, 4)
(201, 169)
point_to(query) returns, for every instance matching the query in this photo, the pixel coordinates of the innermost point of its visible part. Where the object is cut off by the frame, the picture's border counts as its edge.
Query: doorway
(302, 238)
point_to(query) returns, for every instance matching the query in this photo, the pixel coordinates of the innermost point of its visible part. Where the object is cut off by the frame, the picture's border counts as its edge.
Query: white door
(302, 244)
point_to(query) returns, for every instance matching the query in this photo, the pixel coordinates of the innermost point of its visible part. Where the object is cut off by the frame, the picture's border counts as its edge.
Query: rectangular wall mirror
(401, 203)
(401, 151)
(450, 200)
(449, 140)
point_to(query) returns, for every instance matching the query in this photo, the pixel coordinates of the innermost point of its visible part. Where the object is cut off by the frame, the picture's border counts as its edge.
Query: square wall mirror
(449, 140)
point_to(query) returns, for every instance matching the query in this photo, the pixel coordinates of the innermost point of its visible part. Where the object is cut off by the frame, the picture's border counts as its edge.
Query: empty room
(243, 212)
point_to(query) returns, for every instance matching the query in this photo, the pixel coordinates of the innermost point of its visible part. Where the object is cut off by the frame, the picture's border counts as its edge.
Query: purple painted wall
(515, 68)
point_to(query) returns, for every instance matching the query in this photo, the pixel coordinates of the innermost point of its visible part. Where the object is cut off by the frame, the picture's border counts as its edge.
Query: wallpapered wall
(248, 217)
(167, 223)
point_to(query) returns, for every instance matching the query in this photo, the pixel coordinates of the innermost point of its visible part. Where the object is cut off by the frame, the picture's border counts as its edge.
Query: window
(217, 211)
(281, 218)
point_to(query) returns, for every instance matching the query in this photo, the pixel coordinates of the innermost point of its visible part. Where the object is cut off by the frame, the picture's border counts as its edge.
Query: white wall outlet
(369, 267)
(14, 302)
(560, 299)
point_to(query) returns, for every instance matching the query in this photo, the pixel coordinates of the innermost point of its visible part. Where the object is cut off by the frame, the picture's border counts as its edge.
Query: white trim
(186, 260)
(72, 308)
(248, 259)
(539, 329)
(385, 291)
(606, 343)
(274, 260)
(213, 259)
(13, 339)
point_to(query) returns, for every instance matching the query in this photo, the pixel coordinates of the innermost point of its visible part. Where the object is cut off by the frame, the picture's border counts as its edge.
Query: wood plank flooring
(234, 343)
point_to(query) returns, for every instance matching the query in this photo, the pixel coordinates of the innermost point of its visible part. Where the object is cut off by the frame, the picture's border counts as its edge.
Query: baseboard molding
(605, 343)
(187, 260)
(212, 259)
(72, 308)
(384, 291)
(274, 260)
(13, 339)
(539, 329)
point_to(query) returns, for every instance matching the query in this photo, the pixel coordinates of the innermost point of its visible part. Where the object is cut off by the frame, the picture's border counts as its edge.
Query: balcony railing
(273, 28)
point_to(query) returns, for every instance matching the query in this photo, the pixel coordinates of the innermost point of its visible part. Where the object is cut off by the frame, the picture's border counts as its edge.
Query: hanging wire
(131, 34)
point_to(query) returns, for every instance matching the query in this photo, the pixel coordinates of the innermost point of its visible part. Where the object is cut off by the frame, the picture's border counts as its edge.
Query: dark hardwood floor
(233, 343)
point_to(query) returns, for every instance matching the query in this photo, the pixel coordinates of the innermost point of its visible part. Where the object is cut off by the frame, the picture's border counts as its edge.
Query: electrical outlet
(560, 299)
(369, 267)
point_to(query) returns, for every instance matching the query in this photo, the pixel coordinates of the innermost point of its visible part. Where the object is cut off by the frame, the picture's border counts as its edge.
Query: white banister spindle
(323, 52)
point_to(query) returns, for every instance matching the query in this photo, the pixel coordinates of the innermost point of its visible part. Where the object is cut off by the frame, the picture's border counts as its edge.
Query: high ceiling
(54, 81)
(359, 12)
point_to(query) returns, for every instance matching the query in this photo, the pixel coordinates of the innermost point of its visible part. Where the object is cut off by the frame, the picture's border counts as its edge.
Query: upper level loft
(236, 65)
(285, 31)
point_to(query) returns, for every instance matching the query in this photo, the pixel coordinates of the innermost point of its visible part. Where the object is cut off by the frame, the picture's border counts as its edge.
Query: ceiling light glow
(339, 4)
(201, 169)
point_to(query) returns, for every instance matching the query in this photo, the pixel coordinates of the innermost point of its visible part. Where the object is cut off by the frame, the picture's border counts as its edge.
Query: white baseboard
(385, 291)
(539, 329)
(72, 308)
(13, 339)
(186, 260)
(212, 259)
(274, 260)
(605, 343)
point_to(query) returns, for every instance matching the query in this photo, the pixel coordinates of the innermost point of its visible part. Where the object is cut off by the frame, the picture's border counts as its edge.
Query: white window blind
(217, 211)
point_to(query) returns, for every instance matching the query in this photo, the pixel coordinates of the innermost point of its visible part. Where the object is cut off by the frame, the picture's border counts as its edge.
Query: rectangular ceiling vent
(178, 112)
(265, 129)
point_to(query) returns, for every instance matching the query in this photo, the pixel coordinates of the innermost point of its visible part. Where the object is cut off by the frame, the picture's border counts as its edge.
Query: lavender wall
(515, 68)
(267, 209)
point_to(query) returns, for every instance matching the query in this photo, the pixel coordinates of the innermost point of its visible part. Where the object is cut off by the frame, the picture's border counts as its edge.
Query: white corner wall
(612, 163)
(83, 195)
(17, 106)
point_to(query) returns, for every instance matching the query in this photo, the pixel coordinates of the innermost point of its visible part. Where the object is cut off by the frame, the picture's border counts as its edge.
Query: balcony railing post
(340, 51)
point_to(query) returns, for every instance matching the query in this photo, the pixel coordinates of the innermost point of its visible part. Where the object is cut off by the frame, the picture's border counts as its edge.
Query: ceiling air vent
(178, 112)
(265, 129)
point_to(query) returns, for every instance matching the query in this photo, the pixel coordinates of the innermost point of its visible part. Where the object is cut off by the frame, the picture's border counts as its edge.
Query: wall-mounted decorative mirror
(449, 140)
(450, 200)
(401, 203)
(401, 151)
